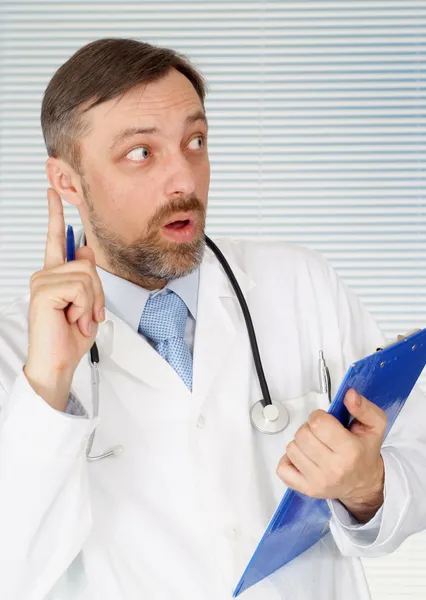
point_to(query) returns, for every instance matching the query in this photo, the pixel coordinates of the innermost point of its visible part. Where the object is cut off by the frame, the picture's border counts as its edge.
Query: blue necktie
(163, 321)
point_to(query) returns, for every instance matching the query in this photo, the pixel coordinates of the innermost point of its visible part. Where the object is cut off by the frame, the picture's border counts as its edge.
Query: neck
(148, 283)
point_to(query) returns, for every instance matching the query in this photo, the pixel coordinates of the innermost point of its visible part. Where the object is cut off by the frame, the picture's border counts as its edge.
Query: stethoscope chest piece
(271, 418)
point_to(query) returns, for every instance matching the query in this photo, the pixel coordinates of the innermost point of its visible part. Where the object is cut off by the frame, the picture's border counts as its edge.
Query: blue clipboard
(386, 378)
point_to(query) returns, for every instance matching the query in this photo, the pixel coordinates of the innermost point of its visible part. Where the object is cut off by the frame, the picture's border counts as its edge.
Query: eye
(138, 154)
(196, 143)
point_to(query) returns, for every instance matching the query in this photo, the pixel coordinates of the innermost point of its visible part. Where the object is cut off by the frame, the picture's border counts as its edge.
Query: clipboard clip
(399, 338)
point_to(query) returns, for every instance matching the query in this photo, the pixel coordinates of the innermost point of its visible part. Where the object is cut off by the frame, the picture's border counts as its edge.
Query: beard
(151, 257)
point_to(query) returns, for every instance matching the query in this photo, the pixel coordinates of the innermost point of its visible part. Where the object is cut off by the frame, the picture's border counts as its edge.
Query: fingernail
(92, 327)
(358, 400)
(102, 314)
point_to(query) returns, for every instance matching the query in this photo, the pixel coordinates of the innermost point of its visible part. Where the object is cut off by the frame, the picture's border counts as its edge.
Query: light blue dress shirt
(127, 300)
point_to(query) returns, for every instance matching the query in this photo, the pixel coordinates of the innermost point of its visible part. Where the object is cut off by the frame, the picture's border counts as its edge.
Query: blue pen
(70, 244)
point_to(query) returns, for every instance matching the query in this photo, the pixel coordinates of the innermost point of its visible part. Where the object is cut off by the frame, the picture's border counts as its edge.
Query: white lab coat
(179, 514)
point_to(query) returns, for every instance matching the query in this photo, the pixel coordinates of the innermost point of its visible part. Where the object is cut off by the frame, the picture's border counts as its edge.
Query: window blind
(317, 136)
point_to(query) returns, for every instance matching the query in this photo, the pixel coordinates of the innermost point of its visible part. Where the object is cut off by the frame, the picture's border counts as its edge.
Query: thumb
(369, 418)
(87, 253)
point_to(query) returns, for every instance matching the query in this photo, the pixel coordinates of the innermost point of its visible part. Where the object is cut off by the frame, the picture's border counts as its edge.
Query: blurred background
(317, 115)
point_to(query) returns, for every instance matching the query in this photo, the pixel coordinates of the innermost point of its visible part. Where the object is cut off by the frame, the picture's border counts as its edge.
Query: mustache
(190, 203)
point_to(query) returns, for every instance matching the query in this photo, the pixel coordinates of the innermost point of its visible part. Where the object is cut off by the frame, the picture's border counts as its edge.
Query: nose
(180, 178)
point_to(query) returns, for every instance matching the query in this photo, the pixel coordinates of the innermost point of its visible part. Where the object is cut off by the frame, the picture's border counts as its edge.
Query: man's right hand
(66, 305)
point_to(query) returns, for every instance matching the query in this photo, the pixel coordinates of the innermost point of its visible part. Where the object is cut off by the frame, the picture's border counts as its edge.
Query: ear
(64, 180)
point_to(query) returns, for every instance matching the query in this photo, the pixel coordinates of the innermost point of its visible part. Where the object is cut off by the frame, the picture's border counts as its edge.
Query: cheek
(103, 191)
(203, 181)
(128, 210)
(117, 199)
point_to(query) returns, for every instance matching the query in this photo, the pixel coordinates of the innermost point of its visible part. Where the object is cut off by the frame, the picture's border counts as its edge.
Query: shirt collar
(127, 300)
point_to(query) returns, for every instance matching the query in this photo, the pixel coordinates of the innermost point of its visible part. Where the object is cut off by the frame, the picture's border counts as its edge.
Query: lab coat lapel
(219, 319)
(132, 353)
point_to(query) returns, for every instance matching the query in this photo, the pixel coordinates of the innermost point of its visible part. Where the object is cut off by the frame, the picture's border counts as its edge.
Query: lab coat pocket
(300, 408)
(273, 446)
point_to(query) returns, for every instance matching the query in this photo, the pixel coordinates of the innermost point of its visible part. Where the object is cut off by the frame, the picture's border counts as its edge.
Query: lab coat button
(200, 421)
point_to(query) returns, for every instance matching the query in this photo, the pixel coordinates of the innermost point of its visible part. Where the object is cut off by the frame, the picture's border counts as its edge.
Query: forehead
(171, 96)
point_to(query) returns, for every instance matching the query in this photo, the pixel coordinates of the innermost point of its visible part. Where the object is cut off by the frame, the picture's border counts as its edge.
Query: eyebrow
(132, 131)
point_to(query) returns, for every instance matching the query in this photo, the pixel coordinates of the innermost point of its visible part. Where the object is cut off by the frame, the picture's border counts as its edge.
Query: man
(178, 514)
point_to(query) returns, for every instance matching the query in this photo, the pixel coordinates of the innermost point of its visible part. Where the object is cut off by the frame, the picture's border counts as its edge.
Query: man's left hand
(326, 460)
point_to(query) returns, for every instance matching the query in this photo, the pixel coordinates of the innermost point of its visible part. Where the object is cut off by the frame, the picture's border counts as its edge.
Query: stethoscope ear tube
(116, 450)
(94, 354)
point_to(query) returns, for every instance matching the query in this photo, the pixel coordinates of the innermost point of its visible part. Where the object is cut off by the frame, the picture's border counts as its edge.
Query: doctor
(178, 514)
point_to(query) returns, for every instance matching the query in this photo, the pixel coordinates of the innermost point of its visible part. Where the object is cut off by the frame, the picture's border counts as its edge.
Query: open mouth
(178, 224)
(180, 230)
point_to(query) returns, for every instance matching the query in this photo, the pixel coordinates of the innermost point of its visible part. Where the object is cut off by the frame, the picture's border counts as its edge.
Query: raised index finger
(55, 243)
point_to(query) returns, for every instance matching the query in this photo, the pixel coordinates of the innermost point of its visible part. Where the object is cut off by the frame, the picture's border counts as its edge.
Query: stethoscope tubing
(266, 399)
(266, 416)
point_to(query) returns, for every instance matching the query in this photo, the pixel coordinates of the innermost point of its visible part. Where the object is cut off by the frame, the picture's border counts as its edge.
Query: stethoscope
(266, 416)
